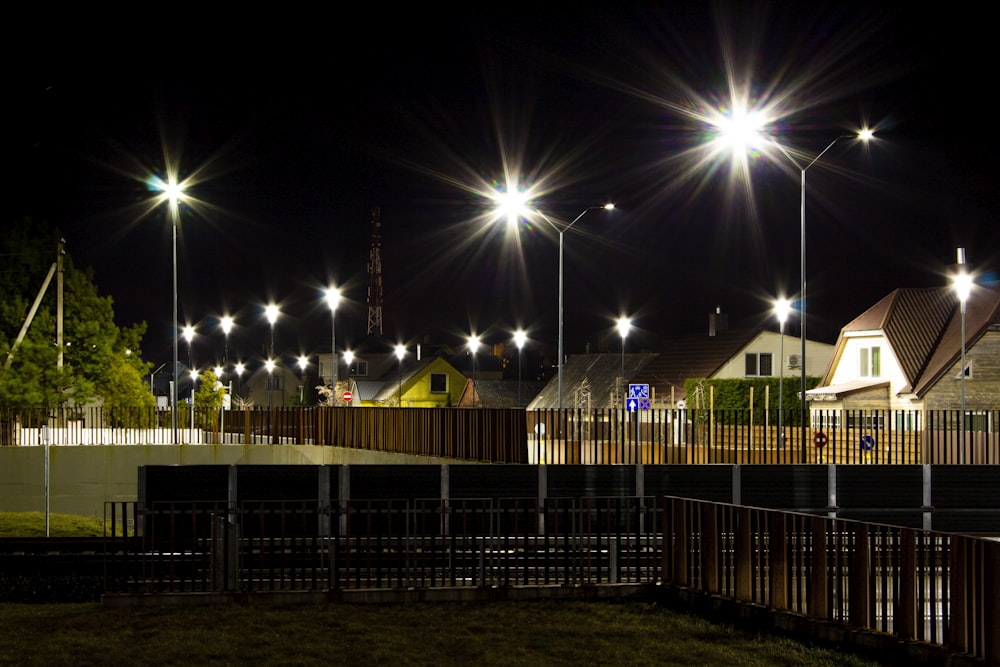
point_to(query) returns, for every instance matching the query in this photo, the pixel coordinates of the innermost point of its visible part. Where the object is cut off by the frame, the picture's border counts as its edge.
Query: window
(968, 370)
(359, 367)
(439, 383)
(870, 362)
(759, 364)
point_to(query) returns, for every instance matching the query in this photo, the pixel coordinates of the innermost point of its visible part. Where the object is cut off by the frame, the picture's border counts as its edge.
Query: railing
(546, 436)
(935, 588)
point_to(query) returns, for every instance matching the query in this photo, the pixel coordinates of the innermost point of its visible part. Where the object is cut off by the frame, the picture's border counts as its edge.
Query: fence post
(905, 618)
(709, 548)
(819, 574)
(777, 561)
(860, 579)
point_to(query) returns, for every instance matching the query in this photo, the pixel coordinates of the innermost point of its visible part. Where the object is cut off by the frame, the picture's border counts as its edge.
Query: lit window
(870, 362)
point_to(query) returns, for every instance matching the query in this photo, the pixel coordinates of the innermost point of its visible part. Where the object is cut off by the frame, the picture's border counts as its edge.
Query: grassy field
(547, 633)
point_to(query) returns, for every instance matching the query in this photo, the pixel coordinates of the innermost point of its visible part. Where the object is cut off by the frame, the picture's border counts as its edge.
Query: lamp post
(239, 368)
(963, 286)
(623, 324)
(194, 380)
(303, 364)
(781, 309)
(188, 334)
(400, 353)
(271, 312)
(269, 365)
(173, 192)
(227, 325)
(864, 135)
(520, 336)
(473, 346)
(333, 300)
(561, 231)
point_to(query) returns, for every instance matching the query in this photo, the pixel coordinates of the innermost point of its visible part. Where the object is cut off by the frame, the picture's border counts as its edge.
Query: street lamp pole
(963, 285)
(473, 346)
(227, 326)
(865, 136)
(624, 324)
(174, 192)
(333, 299)
(561, 232)
(271, 311)
(519, 339)
(400, 353)
(781, 308)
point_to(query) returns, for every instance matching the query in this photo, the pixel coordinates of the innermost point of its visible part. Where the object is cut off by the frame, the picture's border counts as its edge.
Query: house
(905, 353)
(589, 380)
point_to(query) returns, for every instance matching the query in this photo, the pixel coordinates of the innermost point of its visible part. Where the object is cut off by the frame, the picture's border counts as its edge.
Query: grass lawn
(432, 634)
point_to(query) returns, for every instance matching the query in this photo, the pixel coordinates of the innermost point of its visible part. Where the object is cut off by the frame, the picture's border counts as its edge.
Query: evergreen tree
(101, 362)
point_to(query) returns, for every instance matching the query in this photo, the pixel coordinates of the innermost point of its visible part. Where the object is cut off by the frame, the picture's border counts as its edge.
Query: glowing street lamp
(520, 337)
(333, 300)
(746, 130)
(514, 204)
(239, 368)
(623, 324)
(188, 334)
(473, 342)
(303, 364)
(963, 287)
(227, 325)
(400, 351)
(173, 193)
(271, 312)
(269, 365)
(781, 310)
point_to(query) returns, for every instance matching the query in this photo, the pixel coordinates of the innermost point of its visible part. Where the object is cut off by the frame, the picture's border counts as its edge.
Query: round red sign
(347, 396)
(820, 439)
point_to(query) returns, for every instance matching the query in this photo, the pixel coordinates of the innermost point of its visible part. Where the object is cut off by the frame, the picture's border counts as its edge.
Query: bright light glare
(240, 368)
(269, 365)
(333, 297)
(303, 362)
(781, 309)
(272, 313)
(227, 324)
(218, 371)
(624, 324)
(400, 351)
(188, 333)
(520, 337)
(963, 286)
(473, 343)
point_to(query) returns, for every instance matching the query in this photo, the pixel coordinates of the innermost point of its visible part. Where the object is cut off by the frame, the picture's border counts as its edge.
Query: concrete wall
(82, 479)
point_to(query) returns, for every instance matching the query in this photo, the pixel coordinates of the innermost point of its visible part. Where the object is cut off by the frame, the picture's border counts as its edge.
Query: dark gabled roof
(923, 326)
(693, 356)
(503, 393)
(589, 380)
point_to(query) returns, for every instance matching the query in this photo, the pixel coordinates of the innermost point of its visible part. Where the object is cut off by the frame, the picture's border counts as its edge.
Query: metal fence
(935, 588)
(545, 436)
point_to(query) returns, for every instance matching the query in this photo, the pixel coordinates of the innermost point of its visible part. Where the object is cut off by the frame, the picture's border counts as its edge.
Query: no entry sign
(347, 396)
(820, 440)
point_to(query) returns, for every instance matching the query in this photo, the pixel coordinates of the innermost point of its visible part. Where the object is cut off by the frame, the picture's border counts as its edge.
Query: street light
(333, 299)
(520, 336)
(227, 325)
(864, 135)
(239, 376)
(173, 193)
(269, 365)
(303, 364)
(400, 353)
(623, 324)
(781, 309)
(963, 286)
(742, 132)
(271, 312)
(473, 346)
(561, 231)
(188, 334)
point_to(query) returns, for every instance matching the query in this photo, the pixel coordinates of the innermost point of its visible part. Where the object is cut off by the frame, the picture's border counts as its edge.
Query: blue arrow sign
(632, 405)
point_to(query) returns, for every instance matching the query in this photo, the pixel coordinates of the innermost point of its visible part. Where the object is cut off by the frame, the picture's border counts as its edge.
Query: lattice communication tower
(375, 275)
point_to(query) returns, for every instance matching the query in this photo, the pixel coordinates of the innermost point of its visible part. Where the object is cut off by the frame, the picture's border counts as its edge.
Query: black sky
(298, 140)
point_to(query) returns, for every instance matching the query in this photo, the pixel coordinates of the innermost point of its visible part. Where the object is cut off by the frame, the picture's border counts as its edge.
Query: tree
(101, 362)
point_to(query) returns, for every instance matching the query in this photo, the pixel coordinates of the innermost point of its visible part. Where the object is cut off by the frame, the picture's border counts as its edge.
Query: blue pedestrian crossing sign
(638, 391)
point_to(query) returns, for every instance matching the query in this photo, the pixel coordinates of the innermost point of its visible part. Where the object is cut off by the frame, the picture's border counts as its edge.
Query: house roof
(693, 356)
(923, 327)
(399, 373)
(589, 380)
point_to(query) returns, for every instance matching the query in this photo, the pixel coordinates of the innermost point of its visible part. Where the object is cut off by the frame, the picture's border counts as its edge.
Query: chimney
(717, 321)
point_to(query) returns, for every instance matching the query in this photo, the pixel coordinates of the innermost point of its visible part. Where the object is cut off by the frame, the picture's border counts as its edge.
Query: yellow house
(426, 383)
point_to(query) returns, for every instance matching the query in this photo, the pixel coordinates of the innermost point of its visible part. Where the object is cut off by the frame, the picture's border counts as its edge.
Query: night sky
(292, 145)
